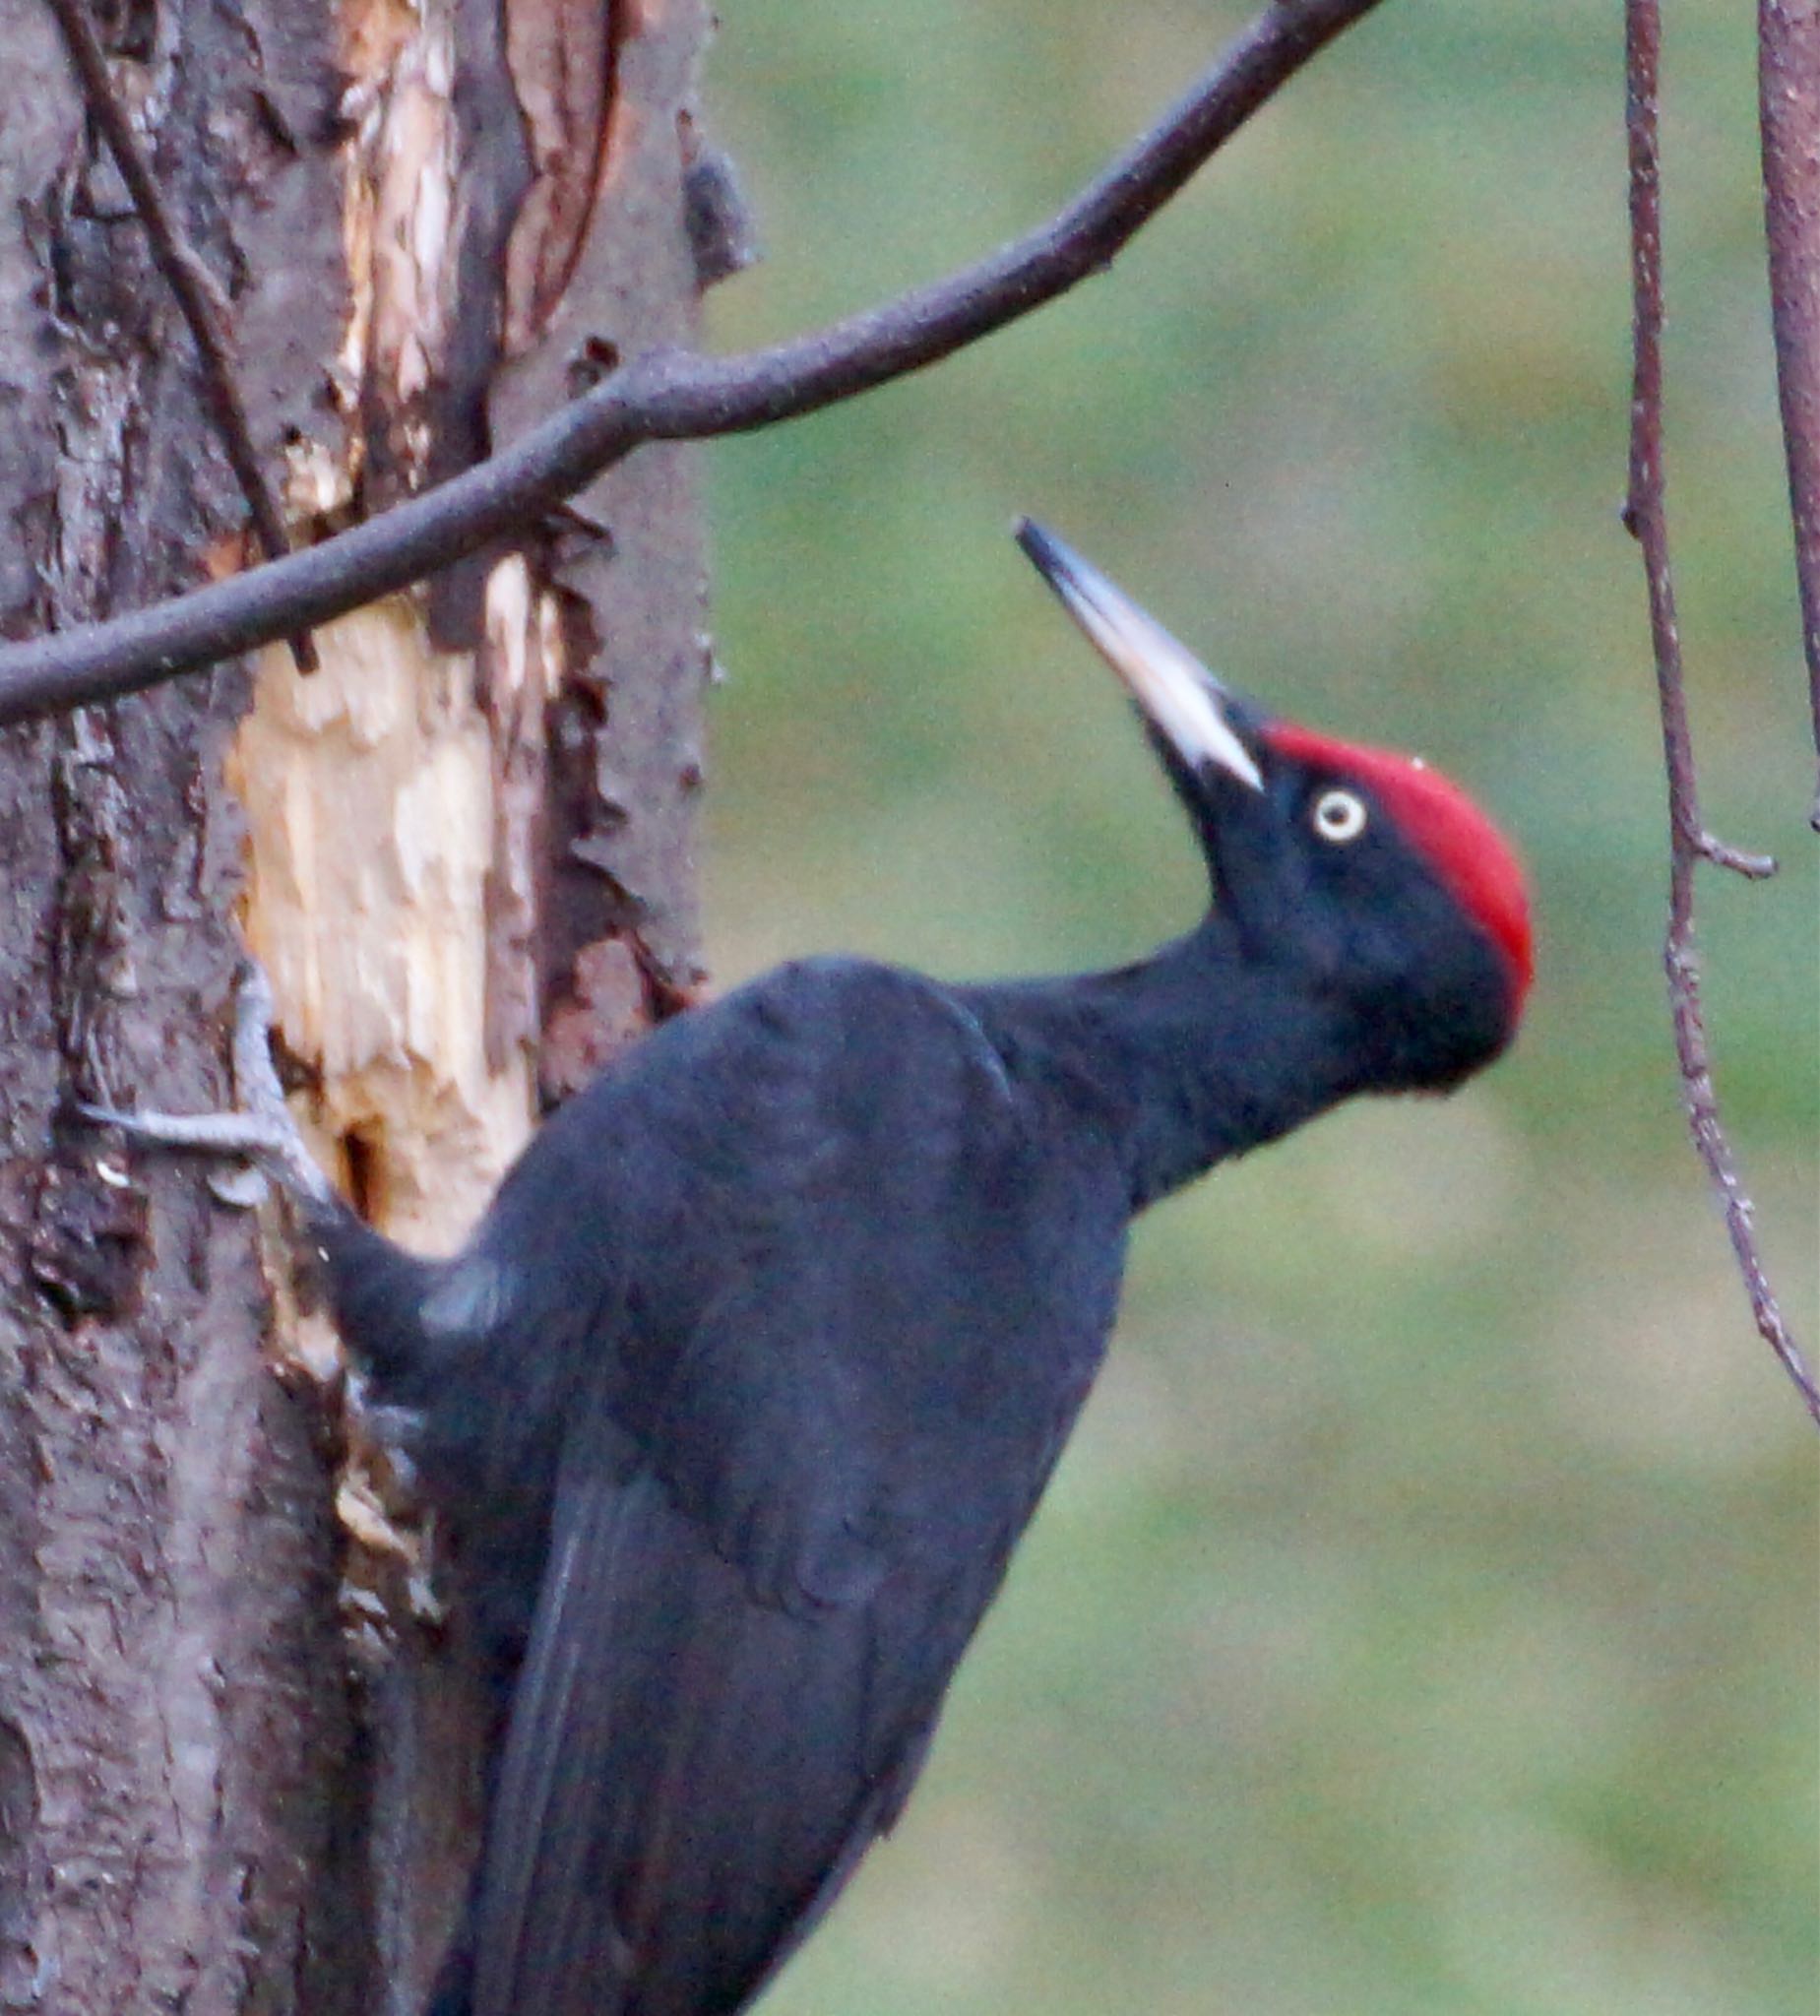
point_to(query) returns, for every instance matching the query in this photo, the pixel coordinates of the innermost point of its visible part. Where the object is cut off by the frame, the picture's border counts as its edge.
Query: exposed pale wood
(372, 818)
(390, 879)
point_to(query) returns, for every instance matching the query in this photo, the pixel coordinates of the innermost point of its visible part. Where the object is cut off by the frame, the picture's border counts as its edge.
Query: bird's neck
(1192, 1055)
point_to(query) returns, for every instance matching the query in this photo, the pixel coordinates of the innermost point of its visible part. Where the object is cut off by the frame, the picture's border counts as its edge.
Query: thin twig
(1789, 99)
(1689, 843)
(677, 396)
(188, 278)
(1753, 867)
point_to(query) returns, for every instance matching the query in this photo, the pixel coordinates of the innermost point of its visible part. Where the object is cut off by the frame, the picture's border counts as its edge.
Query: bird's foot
(261, 1131)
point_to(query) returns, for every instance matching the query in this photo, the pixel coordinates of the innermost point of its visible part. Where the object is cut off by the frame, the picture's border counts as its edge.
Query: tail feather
(690, 1778)
(376, 1293)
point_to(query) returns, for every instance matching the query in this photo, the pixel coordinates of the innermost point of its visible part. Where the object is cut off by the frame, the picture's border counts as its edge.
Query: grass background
(1425, 1618)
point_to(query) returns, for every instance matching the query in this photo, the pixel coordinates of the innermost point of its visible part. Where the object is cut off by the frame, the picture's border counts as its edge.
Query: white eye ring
(1340, 816)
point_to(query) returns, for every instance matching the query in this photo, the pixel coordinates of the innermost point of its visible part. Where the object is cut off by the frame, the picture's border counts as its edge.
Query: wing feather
(844, 1302)
(690, 1773)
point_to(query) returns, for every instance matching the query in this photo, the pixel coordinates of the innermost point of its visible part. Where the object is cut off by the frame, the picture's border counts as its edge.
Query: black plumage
(781, 1326)
(743, 1393)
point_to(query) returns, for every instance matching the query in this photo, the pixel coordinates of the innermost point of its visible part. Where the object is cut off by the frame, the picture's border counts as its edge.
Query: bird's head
(1357, 872)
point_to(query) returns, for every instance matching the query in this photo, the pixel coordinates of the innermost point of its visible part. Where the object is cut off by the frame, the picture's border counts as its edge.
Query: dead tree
(349, 263)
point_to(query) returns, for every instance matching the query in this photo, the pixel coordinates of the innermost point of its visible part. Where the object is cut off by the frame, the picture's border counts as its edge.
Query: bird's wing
(690, 1773)
(855, 1323)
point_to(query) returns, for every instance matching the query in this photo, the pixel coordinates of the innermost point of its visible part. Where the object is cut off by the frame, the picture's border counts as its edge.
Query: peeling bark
(238, 1768)
(626, 732)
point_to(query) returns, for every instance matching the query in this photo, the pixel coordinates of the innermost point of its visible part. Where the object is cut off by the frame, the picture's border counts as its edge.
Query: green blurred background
(1424, 1618)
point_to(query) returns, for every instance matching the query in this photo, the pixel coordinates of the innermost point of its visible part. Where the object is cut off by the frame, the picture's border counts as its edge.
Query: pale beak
(1177, 693)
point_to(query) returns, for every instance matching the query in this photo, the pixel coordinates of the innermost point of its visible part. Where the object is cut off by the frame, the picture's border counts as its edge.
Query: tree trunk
(237, 1761)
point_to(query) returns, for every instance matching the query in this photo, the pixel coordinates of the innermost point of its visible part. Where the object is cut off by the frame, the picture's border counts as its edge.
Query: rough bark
(227, 1715)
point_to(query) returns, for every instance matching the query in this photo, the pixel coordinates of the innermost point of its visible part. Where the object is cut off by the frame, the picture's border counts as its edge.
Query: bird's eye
(1340, 816)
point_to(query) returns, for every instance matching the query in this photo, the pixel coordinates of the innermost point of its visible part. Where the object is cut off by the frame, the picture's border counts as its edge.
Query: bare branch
(188, 278)
(1788, 98)
(677, 396)
(1689, 843)
(1753, 867)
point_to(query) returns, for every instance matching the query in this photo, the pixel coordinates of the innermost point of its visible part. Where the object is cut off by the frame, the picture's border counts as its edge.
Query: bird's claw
(261, 1131)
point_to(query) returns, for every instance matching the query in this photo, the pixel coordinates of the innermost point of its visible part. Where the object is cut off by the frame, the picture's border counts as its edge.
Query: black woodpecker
(751, 1377)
